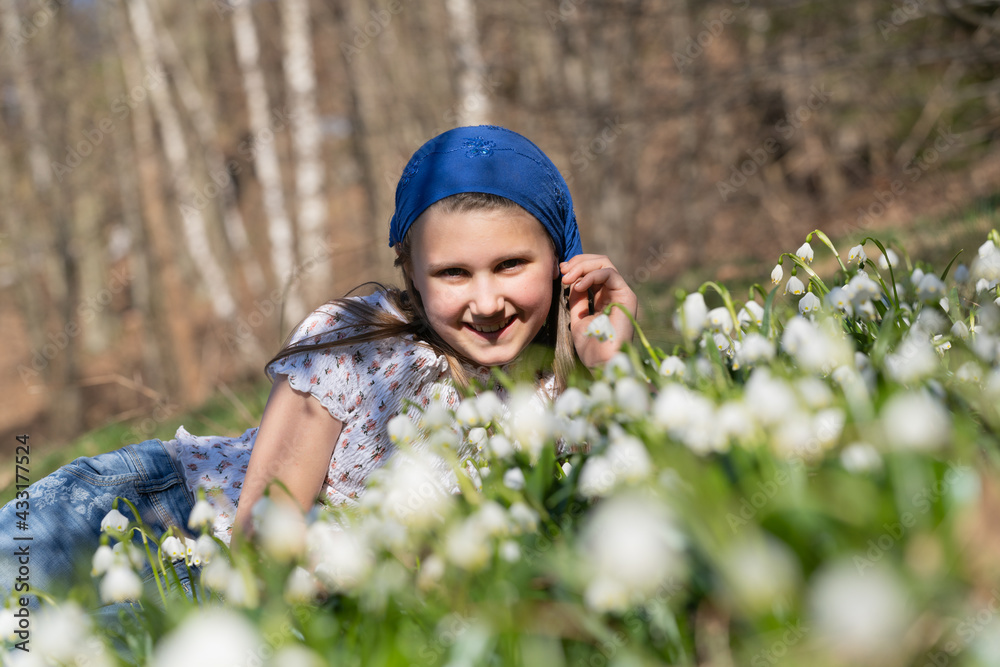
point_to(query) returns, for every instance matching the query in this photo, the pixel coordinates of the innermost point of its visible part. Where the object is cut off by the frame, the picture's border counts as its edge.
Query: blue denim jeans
(66, 508)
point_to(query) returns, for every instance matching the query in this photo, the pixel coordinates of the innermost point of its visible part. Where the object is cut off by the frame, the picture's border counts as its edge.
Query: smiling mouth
(490, 328)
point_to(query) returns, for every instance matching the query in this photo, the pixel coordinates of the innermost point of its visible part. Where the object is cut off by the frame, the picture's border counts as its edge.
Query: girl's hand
(597, 274)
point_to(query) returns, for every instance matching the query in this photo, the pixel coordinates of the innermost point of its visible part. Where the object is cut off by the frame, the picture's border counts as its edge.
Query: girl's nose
(487, 301)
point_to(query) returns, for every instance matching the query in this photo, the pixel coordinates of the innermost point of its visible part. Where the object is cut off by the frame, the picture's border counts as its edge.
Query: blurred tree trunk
(171, 330)
(473, 101)
(279, 225)
(203, 121)
(141, 282)
(307, 142)
(49, 203)
(211, 275)
(366, 116)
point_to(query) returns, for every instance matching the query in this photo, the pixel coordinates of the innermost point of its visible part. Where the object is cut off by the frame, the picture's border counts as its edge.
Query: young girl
(487, 241)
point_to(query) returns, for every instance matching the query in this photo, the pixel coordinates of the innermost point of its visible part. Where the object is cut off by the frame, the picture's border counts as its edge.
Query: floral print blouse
(362, 385)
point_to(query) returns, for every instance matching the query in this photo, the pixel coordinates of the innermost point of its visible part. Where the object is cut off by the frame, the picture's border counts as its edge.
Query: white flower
(414, 491)
(816, 346)
(691, 318)
(915, 420)
(173, 548)
(466, 546)
(128, 552)
(971, 372)
(597, 478)
(510, 551)
(631, 397)
(205, 549)
(860, 457)
(672, 366)
(890, 258)
(776, 274)
(467, 415)
(301, 587)
(755, 348)
(722, 342)
(601, 328)
(478, 437)
(435, 416)
(202, 514)
(913, 360)
(61, 635)
(531, 422)
(751, 313)
(930, 288)
(720, 321)
(629, 458)
(631, 547)
(489, 406)
(960, 330)
(618, 366)
(281, 530)
(839, 298)
(571, 403)
(513, 478)
(857, 254)
(208, 638)
(862, 288)
(402, 430)
(501, 447)
(523, 518)
(216, 574)
(809, 303)
(860, 611)
(114, 522)
(119, 584)
(431, 570)
(102, 560)
(341, 559)
(794, 286)
(805, 253)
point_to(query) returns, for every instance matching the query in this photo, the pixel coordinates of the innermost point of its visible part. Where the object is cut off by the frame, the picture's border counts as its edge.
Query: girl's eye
(450, 273)
(509, 264)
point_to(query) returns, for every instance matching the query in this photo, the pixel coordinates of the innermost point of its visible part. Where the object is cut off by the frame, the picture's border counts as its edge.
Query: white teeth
(490, 329)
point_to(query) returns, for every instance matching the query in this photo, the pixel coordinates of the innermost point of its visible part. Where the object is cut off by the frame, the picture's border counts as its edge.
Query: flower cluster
(802, 478)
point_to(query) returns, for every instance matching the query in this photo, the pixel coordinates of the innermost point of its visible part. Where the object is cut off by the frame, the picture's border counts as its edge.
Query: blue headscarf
(493, 160)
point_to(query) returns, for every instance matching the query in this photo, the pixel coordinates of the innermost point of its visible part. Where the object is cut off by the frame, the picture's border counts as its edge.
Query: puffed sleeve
(336, 376)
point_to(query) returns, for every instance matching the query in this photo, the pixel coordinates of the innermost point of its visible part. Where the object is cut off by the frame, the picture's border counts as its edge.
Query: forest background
(180, 182)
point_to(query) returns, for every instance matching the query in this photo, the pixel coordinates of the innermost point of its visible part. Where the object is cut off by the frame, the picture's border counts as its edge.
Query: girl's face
(485, 279)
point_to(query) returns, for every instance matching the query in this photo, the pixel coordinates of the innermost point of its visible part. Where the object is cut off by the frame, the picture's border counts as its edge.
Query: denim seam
(104, 480)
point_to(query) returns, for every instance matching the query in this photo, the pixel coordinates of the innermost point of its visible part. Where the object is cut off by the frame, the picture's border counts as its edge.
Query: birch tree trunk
(213, 278)
(203, 121)
(170, 330)
(310, 174)
(474, 103)
(279, 225)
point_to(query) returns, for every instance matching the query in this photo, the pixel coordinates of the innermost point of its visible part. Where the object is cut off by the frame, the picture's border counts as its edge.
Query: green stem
(726, 299)
(829, 244)
(638, 330)
(145, 542)
(892, 277)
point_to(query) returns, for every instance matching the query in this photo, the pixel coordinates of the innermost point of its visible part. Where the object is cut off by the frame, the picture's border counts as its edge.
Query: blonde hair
(379, 324)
